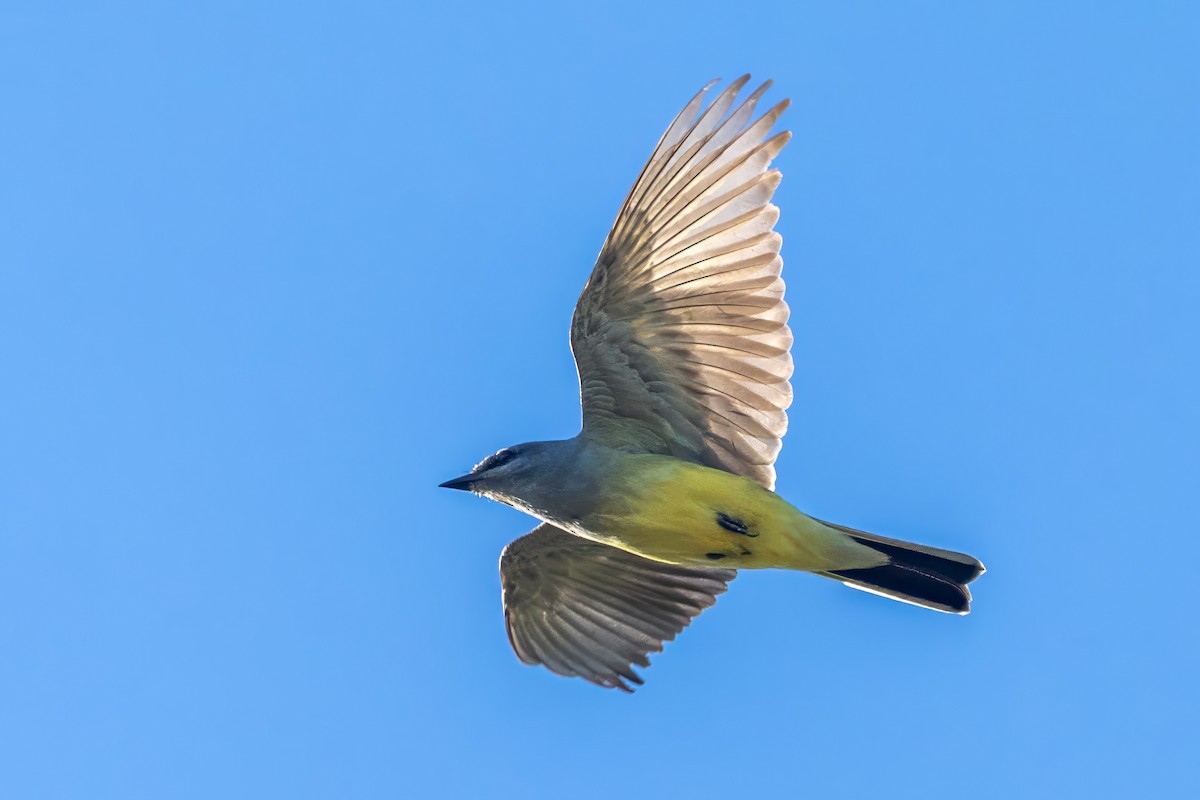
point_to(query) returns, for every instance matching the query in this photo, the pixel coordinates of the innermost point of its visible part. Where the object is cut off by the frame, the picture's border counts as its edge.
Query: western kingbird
(681, 342)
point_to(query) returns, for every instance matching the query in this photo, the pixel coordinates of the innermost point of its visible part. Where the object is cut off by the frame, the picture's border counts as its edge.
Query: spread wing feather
(589, 610)
(680, 335)
(681, 341)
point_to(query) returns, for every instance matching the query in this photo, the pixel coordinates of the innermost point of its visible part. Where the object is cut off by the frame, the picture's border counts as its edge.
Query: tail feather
(925, 576)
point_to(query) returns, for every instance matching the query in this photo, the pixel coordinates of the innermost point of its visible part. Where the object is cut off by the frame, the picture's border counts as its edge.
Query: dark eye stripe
(495, 460)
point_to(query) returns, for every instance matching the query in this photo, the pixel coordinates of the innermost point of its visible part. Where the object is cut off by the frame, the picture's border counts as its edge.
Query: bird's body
(674, 511)
(682, 345)
(671, 510)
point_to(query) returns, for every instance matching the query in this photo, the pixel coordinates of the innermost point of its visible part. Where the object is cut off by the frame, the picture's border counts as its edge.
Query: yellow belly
(682, 513)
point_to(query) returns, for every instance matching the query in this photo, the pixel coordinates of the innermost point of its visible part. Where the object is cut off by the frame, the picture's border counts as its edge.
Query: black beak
(463, 483)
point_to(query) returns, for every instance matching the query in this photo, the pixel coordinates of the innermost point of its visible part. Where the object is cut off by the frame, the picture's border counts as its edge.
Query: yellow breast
(675, 511)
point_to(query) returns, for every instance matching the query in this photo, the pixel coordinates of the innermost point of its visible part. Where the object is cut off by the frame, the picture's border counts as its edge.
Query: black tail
(925, 576)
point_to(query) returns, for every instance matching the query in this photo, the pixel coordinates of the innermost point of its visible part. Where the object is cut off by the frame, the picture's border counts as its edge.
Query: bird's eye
(496, 460)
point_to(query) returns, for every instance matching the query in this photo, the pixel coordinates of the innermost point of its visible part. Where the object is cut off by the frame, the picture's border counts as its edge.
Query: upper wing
(681, 334)
(590, 610)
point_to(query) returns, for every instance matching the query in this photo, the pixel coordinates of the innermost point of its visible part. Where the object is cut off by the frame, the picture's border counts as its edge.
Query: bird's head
(513, 475)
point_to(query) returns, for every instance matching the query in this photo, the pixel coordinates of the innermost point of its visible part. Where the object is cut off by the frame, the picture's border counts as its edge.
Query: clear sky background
(268, 274)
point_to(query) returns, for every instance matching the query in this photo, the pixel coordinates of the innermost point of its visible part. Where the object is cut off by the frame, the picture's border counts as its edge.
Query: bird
(682, 346)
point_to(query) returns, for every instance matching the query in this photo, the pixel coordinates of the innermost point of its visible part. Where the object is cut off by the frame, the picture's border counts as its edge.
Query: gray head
(519, 475)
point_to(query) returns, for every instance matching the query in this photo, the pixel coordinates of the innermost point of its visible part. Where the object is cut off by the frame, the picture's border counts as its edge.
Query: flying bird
(682, 346)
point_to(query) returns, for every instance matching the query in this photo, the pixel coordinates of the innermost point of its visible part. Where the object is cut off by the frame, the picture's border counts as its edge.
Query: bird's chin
(510, 501)
(492, 494)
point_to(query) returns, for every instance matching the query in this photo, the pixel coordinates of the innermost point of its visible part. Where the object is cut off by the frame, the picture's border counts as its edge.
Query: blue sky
(269, 274)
